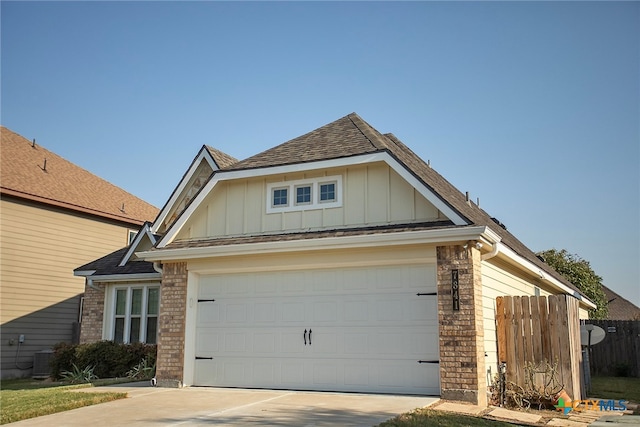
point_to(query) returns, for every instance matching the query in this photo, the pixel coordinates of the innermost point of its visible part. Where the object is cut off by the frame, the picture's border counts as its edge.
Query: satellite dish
(596, 332)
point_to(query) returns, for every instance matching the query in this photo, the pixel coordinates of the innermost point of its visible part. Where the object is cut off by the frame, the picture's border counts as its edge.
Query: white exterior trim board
(343, 242)
(122, 277)
(301, 167)
(203, 154)
(544, 276)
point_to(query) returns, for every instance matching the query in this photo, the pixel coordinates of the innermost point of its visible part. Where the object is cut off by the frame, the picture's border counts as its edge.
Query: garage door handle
(305, 337)
(309, 336)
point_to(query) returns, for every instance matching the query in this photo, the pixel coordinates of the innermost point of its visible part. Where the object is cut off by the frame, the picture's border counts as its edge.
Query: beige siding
(372, 195)
(500, 279)
(40, 295)
(414, 254)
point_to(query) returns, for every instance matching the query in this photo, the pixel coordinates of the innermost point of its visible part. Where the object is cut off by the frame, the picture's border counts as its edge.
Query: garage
(365, 329)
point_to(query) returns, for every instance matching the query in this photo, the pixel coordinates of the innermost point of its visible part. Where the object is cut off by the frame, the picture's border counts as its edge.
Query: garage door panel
(369, 330)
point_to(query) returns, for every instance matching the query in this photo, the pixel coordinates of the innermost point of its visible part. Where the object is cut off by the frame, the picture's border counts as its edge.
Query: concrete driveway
(149, 406)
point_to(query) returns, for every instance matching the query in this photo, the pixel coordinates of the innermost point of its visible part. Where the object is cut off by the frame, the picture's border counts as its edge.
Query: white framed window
(305, 194)
(134, 314)
(280, 197)
(131, 236)
(327, 192)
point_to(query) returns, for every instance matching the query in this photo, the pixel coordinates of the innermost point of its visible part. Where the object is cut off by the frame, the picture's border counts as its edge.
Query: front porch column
(462, 364)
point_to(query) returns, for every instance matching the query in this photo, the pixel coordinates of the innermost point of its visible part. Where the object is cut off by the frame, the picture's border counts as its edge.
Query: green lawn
(22, 399)
(616, 388)
(429, 417)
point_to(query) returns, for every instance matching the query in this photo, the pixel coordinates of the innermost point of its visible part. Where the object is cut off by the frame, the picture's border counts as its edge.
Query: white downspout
(494, 251)
(92, 286)
(157, 266)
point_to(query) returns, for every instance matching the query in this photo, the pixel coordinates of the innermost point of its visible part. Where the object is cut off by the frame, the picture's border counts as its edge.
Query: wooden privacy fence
(538, 330)
(619, 353)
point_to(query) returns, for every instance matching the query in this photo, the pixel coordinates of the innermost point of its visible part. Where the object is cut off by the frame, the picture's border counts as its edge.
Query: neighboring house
(337, 261)
(620, 308)
(54, 216)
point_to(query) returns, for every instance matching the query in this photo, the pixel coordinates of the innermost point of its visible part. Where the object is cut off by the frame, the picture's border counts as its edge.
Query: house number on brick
(455, 292)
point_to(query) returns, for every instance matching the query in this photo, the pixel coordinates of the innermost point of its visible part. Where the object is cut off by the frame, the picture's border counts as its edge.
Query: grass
(23, 399)
(429, 417)
(616, 388)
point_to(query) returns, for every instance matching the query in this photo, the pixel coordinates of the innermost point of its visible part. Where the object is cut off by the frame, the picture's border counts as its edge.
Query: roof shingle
(23, 174)
(352, 136)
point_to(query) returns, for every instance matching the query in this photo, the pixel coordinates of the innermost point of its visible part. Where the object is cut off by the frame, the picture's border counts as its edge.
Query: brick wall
(171, 328)
(92, 314)
(462, 364)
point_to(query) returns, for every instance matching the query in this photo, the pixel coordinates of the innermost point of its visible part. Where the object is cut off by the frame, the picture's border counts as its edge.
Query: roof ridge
(374, 137)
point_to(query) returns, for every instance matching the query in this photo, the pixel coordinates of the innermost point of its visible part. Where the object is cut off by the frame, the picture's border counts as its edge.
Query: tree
(579, 272)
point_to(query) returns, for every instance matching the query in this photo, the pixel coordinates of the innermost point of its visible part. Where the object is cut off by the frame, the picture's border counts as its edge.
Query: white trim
(109, 328)
(315, 202)
(542, 275)
(126, 277)
(144, 231)
(202, 155)
(325, 243)
(85, 273)
(176, 227)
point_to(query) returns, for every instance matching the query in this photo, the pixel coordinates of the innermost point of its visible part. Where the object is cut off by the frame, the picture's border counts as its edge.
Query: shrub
(106, 359)
(63, 359)
(78, 376)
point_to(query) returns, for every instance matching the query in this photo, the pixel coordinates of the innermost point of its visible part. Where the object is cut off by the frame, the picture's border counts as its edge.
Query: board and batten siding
(41, 246)
(373, 194)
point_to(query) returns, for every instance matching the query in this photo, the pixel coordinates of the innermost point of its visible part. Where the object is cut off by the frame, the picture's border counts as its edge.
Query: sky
(531, 107)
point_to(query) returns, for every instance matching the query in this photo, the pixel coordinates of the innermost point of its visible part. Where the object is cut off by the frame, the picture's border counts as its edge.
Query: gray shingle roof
(352, 136)
(223, 160)
(620, 308)
(345, 137)
(109, 265)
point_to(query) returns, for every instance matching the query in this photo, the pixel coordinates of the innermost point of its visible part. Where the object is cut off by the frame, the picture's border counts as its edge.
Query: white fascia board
(425, 192)
(302, 167)
(85, 273)
(126, 277)
(435, 236)
(532, 268)
(202, 155)
(144, 231)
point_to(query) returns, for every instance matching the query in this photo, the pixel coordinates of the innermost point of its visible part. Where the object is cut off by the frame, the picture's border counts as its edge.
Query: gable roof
(351, 136)
(207, 155)
(223, 160)
(109, 266)
(58, 182)
(345, 137)
(620, 308)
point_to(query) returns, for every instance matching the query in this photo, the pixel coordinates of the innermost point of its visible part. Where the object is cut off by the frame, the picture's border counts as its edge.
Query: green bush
(107, 358)
(64, 355)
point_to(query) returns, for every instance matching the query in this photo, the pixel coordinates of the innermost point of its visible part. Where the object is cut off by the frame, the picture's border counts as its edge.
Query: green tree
(579, 272)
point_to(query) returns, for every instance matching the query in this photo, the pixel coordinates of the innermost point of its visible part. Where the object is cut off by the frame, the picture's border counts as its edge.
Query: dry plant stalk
(541, 385)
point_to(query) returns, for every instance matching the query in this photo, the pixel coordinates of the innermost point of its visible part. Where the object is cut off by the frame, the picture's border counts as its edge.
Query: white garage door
(361, 330)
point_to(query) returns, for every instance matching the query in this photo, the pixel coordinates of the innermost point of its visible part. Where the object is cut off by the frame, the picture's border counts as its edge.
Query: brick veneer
(462, 365)
(92, 313)
(171, 328)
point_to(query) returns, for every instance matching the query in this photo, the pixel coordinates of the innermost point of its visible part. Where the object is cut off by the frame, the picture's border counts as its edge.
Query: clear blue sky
(533, 107)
